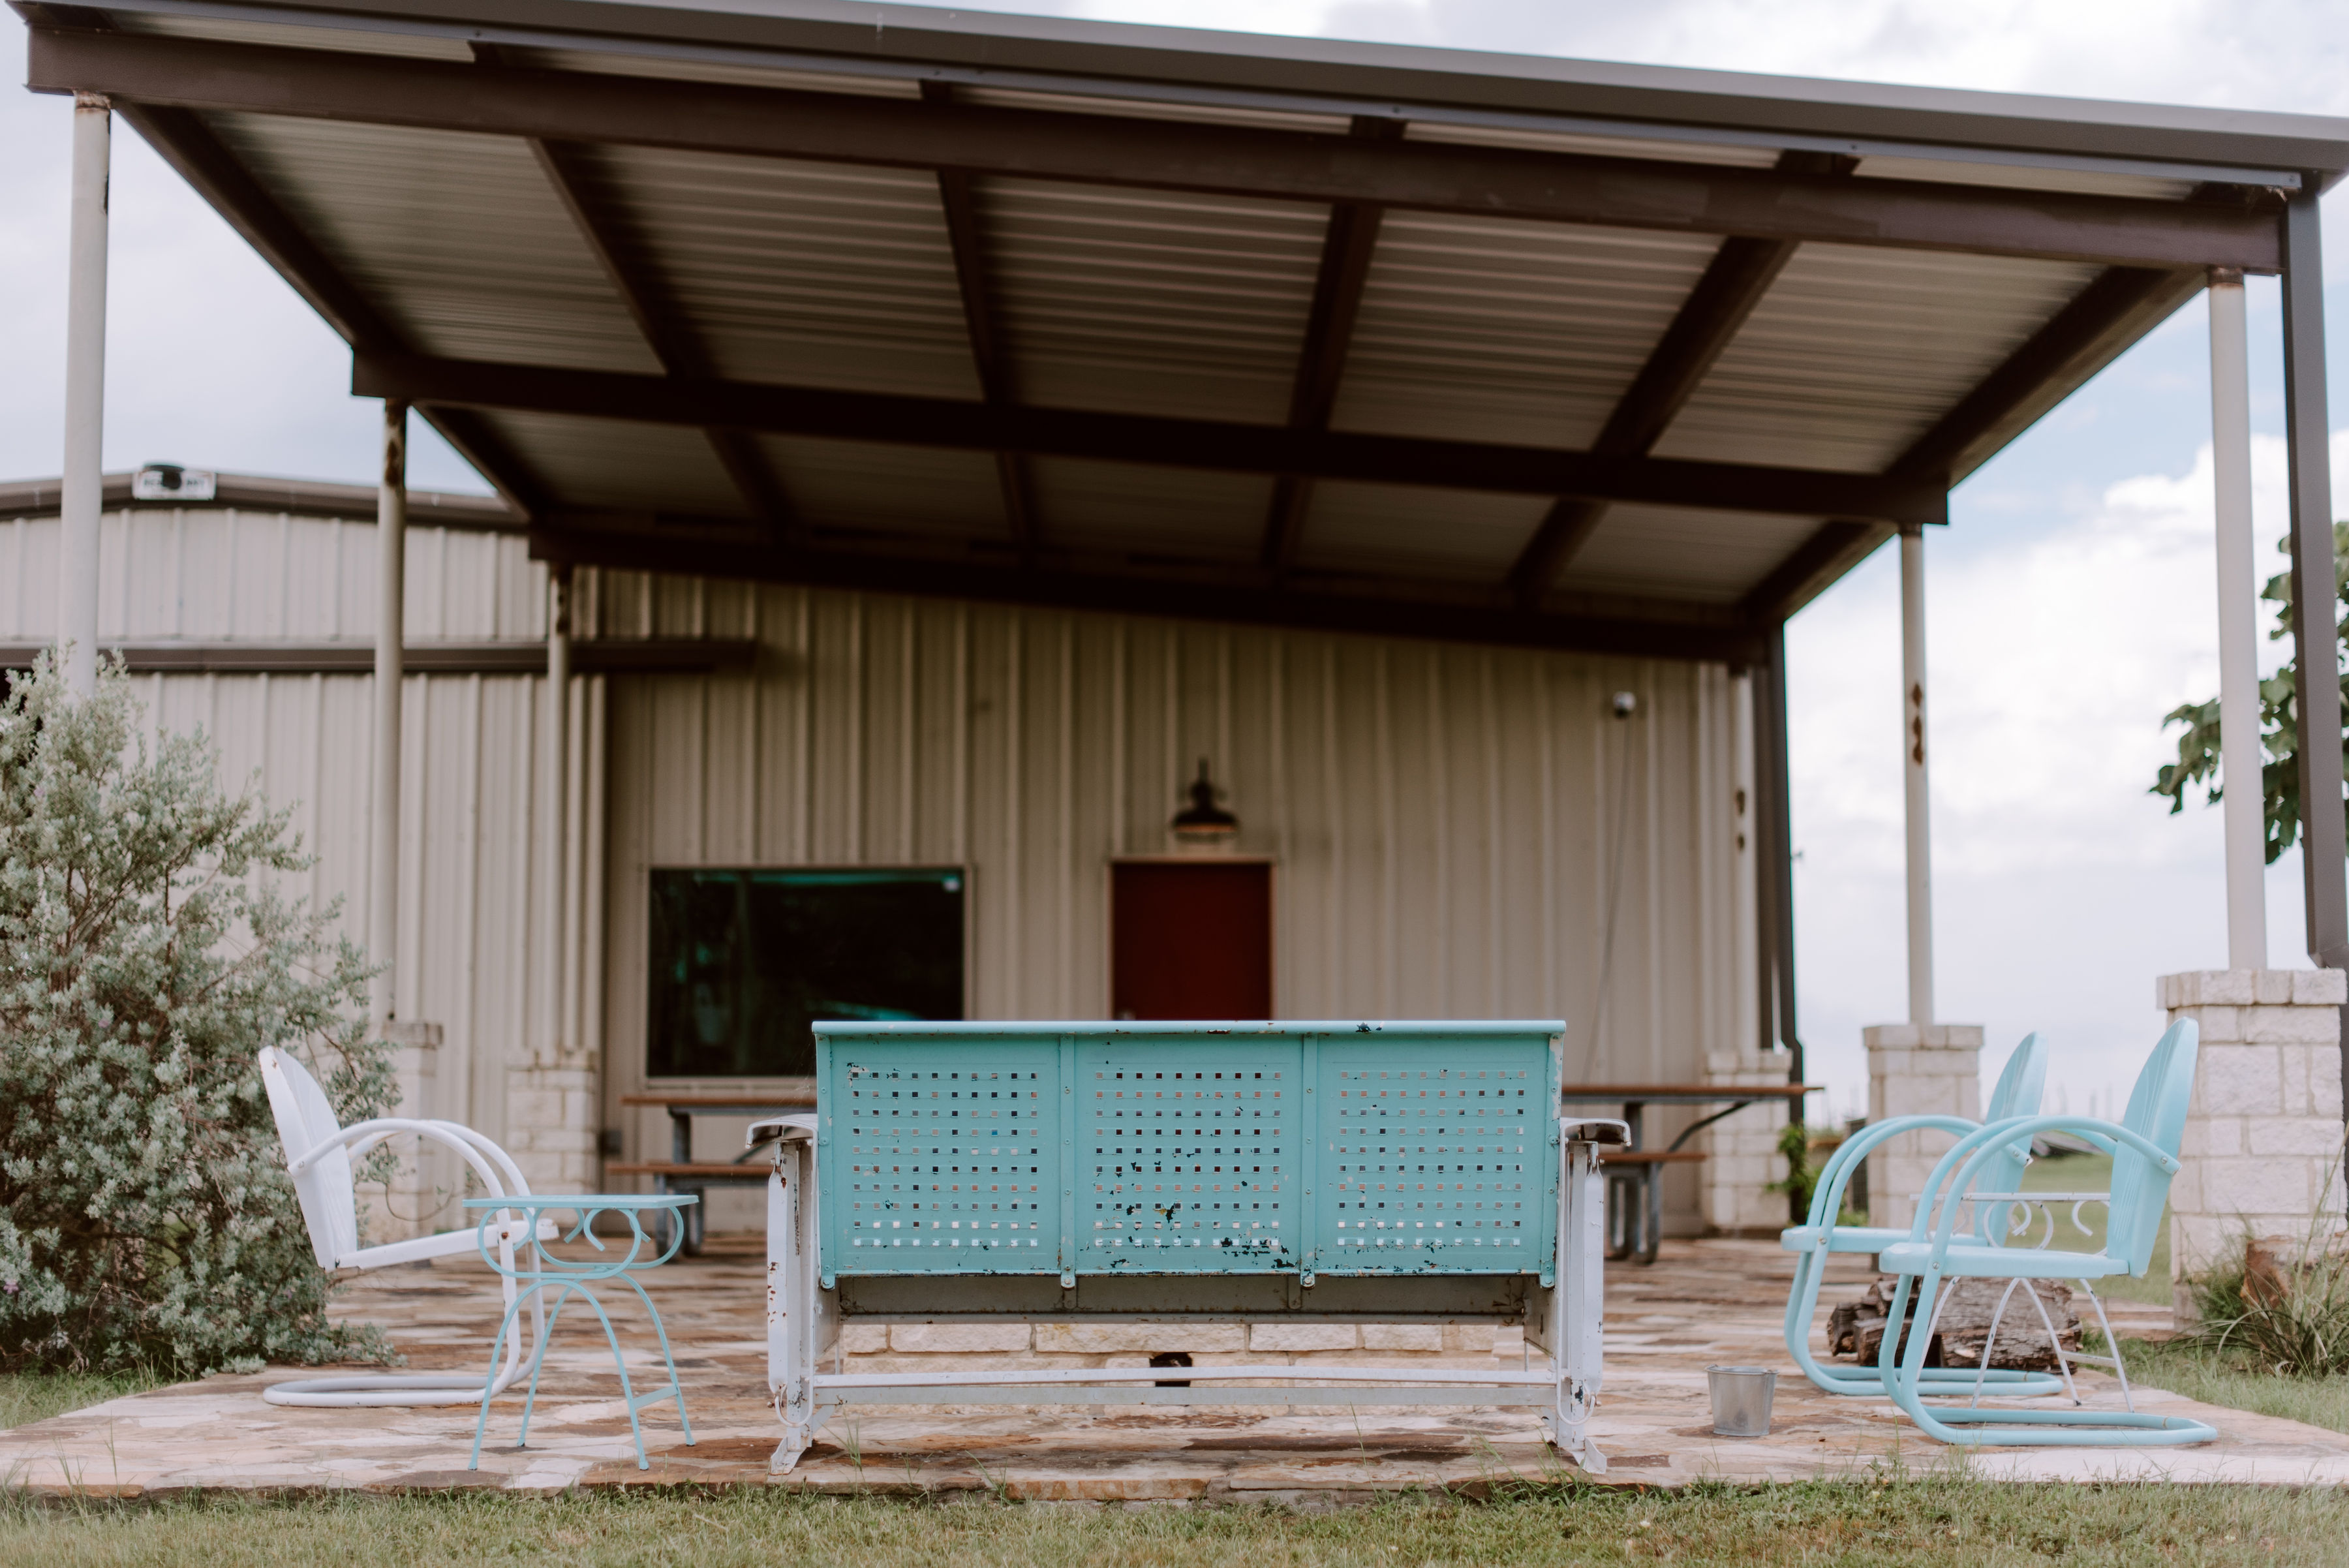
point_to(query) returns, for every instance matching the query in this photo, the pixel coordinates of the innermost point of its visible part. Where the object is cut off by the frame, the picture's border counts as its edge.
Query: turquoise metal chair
(2144, 1158)
(2016, 1094)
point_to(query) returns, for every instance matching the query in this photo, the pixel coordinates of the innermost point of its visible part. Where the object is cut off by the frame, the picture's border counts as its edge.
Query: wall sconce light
(1203, 824)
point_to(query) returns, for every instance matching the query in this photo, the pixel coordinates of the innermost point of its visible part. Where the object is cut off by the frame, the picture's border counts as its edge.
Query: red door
(1191, 940)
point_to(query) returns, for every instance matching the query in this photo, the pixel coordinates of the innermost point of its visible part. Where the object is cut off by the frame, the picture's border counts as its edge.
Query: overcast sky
(2070, 603)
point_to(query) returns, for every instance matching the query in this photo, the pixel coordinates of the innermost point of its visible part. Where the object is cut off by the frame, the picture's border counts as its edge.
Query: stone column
(416, 1200)
(551, 1127)
(1741, 1152)
(1915, 1069)
(2262, 1153)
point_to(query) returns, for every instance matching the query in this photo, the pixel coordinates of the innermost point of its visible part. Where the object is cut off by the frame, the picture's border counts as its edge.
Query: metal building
(938, 434)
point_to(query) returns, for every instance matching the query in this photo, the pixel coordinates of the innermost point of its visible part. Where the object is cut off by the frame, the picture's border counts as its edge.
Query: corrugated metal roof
(621, 464)
(890, 490)
(847, 269)
(1495, 330)
(458, 238)
(1166, 513)
(1854, 353)
(1679, 553)
(1387, 530)
(803, 274)
(1152, 302)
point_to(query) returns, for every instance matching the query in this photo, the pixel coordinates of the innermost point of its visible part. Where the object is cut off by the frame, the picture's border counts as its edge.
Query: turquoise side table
(535, 1270)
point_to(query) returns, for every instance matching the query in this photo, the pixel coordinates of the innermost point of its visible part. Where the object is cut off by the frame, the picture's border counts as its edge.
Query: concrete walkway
(1705, 1301)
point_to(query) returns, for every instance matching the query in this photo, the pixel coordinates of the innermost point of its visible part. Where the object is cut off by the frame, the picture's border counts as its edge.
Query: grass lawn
(26, 1398)
(1899, 1521)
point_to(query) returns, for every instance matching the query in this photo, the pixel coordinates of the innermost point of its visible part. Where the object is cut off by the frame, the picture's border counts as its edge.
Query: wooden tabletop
(780, 1100)
(1653, 1092)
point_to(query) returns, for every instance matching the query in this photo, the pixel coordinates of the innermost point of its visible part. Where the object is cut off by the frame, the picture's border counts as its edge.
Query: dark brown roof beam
(2120, 305)
(1740, 274)
(967, 238)
(1130, 152)
(667, 333)
(1155, 441)
(189, 145)
(1348, 245)
(1709, 638)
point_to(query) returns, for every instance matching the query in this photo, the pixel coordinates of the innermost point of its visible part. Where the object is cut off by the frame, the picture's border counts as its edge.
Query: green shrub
(2294, 1323)
(146, 1221)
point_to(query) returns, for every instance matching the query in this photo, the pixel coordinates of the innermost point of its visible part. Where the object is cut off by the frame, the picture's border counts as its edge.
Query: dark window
(743, 962)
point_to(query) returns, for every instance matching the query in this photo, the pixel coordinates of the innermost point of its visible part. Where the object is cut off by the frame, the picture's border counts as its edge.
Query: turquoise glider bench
(1180, 1173)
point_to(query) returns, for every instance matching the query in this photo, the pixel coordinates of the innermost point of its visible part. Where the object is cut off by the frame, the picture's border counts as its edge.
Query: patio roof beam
(1733, 282)
(672, 339)
(1116, 151)
(216, 174)
(2117, 308)
(1348, 244)
(708, 552)
(982, 324)
(1153, 440)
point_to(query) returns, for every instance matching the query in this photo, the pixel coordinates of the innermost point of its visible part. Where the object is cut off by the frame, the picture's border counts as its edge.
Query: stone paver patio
(1713, 1301)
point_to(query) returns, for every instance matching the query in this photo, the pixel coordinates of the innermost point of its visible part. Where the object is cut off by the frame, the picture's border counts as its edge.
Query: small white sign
(170, 482)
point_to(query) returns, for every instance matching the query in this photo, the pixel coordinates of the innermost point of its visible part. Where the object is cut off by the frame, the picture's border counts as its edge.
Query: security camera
(1625, 704)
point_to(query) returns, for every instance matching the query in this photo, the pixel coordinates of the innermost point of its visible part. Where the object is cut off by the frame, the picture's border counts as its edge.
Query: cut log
(1856, 1329)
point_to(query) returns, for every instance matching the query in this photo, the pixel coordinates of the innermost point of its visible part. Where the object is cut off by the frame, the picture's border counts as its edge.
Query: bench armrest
(797, 1126)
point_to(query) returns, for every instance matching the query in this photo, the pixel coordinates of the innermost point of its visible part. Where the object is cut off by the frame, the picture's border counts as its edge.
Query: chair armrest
(1955, 1172)
(1835, 1178)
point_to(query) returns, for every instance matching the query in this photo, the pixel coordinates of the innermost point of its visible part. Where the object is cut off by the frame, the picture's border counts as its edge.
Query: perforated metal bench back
(1337, 1149)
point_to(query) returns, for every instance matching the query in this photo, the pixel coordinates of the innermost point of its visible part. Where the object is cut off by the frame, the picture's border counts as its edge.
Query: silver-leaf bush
(146, 1217)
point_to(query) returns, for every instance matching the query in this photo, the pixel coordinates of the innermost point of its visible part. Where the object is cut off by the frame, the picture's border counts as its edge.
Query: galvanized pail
(1741, 1400)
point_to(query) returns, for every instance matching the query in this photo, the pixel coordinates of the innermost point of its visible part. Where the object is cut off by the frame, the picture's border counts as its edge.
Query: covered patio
(832, 332)
(1706, 1301)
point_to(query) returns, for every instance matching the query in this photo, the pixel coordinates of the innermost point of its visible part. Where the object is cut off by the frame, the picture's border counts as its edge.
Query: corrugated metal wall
(471, 896)
(1444, 818)
(1447, 821)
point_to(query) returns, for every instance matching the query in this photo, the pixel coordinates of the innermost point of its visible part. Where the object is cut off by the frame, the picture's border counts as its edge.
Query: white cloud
(2061, 888)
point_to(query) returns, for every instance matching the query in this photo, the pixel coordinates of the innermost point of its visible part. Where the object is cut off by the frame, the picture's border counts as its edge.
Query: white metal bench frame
(805, 1319)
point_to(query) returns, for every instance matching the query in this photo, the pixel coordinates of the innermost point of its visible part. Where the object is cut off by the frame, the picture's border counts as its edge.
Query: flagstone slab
(1706, 1301)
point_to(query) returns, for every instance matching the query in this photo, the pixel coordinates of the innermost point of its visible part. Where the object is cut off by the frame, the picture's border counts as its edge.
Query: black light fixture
(1203, 824)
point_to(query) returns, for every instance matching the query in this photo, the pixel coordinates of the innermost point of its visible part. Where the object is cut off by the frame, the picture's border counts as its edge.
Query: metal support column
(1774, 862)
(85, 395)
(390, 657)
(557, 805)
(2313, 596)
(2240, 758)
(1912, 768)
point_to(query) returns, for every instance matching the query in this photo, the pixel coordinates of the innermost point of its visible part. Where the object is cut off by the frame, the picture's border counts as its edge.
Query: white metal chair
(319, 1155)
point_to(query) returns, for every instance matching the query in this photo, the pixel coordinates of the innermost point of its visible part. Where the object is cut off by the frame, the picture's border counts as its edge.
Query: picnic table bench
(1635, 1188)
(683, 1173)
(1176, 1173)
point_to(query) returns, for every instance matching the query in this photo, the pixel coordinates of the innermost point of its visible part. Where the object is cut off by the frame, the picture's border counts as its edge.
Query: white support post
(84, 484)
(390, 657)
(557, 800)
(1580, 1305)
(1920, 846)
(2240, 751)
(793, 1341)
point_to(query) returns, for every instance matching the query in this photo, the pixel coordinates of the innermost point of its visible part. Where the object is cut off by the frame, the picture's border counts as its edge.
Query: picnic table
(1635, 1189)
(683, 1173)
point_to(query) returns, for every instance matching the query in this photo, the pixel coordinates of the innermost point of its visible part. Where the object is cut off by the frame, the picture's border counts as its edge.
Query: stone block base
(1741, 1152)
(418, 1198)
(2262, 1150)
(1915, 1069)
(551, 1127)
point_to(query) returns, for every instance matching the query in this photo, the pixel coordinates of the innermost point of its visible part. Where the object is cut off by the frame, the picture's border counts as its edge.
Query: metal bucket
(1741, 1400)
